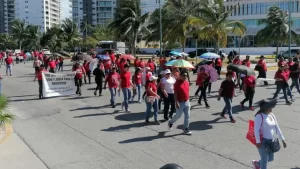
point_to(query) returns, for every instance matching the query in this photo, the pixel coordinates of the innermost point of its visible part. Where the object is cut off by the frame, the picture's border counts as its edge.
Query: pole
(160, 28)
(196, 51)
(290, 29)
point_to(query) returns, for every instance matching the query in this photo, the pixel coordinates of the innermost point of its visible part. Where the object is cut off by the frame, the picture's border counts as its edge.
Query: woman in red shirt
(125, 84)
(202, 82)
(40, 80)
(281, 78)
(52, 65)
(261, 67)
(137, 82)
(86, 66)
(151, 65)
(112, 79)
(152, 100)
(79, 73)
(249, 90)
(218, 66)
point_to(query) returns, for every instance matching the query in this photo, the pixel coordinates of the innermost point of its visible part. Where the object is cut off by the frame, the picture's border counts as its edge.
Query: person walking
(281, 78)
(52, 65)
(112, 79)
(261, 67)
(36, 65)
(218, 66)
(86, 66)
(137, 82)
(202, 82)
(167, 87)
(246, 61)
(249, 90)
(9, 62)
(125, 84)
(265, 129)
(79, 73)
(294, 74)
(40, 80)
(61, 63)
(227, 92)
(182, 102)
(99, 76)
(152, 100)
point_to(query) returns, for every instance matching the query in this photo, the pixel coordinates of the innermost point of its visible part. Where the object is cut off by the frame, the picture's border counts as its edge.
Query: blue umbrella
(209, 55)
(175, 53)
(103, 57)
(28, 55)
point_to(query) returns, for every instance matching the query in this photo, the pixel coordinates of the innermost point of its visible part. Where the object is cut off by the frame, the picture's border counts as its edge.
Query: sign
(58, 84)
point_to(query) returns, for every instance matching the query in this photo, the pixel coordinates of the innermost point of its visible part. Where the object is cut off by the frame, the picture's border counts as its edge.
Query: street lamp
(290, 29)
(160, 27)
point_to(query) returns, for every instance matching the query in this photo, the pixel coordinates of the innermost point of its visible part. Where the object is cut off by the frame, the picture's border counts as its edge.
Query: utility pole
(160, 27)
(290, 27)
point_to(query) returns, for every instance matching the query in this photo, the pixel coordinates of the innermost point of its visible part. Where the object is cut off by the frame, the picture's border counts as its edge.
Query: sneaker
(232, 120)
(252, 108)
(292, 99)
(288, 103)
(113, 106)
(128, 111)
(147, 122)
(156, 122)
(209, 94)
(255, 164)
(140, 101)
(170, 126)
(95, 93)
(207, 106)
(241, 104)
(79, 93)
(187, 131)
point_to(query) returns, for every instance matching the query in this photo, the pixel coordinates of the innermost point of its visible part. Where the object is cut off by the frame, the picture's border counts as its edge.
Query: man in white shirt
(167, 87)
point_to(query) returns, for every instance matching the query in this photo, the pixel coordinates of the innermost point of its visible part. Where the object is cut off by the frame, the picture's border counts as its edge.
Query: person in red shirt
(79, 73)
(290, 63)
(202, 82)
(1, 58)
(249, 90)
(281, 61)
(261, 67)
(136, 62)
(151, 65)
(281, 78)
(137, 82)
(237, 60)
(247, 62)
(152, 100)
(125, 84)
(40, 80)
(9, 62)
(162, 62)
(107, 66)
(227, 92)
(36, 65)
(182, 102)
(112, 56)
(218, 66)
(61, 63)
(86, 66)
(142, 63)
(52, 65)
(112, 79)
(121, 65)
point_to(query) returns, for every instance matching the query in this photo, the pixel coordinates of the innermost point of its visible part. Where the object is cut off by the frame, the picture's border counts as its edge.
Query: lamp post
(290, 29)
(160, 27)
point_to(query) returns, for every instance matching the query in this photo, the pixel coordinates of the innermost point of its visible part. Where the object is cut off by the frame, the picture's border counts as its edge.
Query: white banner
(58, 84)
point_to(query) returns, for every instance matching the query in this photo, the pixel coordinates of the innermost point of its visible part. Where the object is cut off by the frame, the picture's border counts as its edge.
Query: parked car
(192, 54)
(286, 53)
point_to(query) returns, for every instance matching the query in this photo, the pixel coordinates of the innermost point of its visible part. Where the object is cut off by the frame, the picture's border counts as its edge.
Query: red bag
(250, 134)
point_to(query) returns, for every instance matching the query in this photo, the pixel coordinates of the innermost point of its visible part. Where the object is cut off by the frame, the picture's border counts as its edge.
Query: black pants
(203, 95)
(209, 87)
(78, 84)
(250, 91)
(218, 68)
(198, 90)
(169, 101)
(60, 66)
(88, 73)
(40, 88)
(241, 82)
(51, 71)
(281, 86)
(99, 86)
(263, 74)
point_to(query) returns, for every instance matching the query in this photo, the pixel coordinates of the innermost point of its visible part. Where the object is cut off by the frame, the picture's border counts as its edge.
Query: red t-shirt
(136, 63)
(290, 63)
(122, 64)
(113, 80)
(107, 65)
(125, 79)
(152, 86)
(236, 61)
(247, 62)
(142, 64)
(79, 73)
(151, 65)
(263, 64)
(138, 78)
(52, 65)
(281, 63)
(219, 62)
(228, 88)
(282, 75)
(112, 57)
(202, 76)
(148, 75)
(182, 89)
(40, 74)
(9, 60)
(162, 63)
(86, 66)
(1, 55)
(249, 81)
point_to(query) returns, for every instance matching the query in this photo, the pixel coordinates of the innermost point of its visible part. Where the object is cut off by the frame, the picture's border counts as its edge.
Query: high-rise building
(94, 12)
(2, 20)
(7, 11)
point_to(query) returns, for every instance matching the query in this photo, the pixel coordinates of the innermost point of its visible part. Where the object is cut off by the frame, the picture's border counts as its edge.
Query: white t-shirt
(168, 84)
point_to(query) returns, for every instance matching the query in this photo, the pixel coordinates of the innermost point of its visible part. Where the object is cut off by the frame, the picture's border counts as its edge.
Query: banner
(58, 84)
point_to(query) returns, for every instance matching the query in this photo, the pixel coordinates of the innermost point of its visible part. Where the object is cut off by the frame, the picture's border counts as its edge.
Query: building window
(253, 6)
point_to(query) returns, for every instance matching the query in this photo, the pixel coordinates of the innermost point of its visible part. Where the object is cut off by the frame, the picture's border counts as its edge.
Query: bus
(115, 46)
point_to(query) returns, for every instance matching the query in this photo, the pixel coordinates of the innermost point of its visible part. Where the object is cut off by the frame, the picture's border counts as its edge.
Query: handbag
(274, 146)
(251, 134)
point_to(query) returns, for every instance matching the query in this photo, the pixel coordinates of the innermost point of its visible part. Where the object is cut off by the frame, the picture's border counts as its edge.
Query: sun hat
(153, 78)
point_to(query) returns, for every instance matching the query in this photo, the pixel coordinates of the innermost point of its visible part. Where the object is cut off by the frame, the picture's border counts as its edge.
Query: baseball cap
(167, 71)
(153, 78)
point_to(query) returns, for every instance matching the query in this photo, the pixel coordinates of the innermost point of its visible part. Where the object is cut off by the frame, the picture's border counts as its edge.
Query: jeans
(139, 88)
(265, 156)
(295, 83)
(249, 96)
(99, 86)
(228, 106)
(184, 107)
(40, 88)
(148, 109)
(169, 101)
(279, 87)
(8, 68)
(88, 73)
(60, 66)
(113, 93)
(127, 96)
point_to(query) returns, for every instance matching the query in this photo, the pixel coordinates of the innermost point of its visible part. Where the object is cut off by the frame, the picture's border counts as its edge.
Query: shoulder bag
(274, 146)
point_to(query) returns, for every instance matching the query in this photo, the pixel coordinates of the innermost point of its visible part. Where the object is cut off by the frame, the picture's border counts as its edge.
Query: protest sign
(58, 84)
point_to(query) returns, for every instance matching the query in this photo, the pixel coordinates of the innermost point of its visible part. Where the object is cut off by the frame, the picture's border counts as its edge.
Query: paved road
(84, 133)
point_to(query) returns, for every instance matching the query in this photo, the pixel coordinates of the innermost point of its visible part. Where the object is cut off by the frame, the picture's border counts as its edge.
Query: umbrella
(184, 54)
(211, 71)
(64, 53)
(241, 69)
(127, 56)
(205, 62)
(175, 53)
(209, 55)
(103, 57)
(179, 63)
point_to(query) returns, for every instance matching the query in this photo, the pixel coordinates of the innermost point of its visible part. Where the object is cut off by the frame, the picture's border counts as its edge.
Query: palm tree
(19, 32)
(53, 38)
(5, 117)
(70, 30)
(276, 29)
(212, 23)
(32, 40)
(130, 23)
(6, 41)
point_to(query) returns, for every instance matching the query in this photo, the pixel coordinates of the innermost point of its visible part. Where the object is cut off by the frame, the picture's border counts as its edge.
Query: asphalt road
(85, 133)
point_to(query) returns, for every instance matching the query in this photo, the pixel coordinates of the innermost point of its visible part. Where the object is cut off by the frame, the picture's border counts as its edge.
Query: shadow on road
(24, 100)
(92, 108)
(202, 125)
(296, 168)
(22, 96)
(131, 116)
(77, 98)
(160, 135)
(124, 127)
(96, 114)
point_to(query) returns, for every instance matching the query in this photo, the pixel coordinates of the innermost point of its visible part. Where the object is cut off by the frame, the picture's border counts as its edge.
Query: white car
(46, 51)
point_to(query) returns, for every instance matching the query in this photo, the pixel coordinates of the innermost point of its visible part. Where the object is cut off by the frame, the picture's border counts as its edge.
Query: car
(192, 54)
(286, 53)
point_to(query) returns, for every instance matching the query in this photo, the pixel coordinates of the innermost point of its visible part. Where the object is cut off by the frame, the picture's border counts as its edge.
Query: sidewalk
(15, 154)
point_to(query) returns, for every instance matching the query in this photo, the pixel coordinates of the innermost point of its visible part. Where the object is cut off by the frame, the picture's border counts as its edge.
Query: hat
(267, 104)
(148, 68)
(167, 71)
(153, 78)
(171, 166)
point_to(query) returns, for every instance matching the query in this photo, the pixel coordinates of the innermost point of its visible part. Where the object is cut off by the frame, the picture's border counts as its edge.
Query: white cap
(167, 71)
(153, 78)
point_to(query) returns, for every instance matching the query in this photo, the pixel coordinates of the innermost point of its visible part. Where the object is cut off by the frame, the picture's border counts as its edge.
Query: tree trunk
(277, 49)
(183, 40)
(217, 45)
(134, 44)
